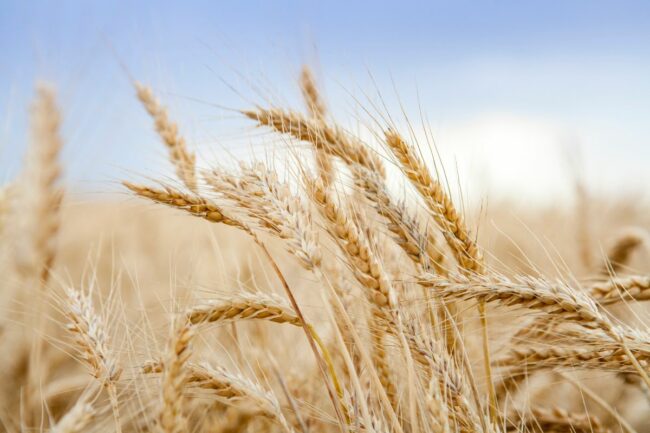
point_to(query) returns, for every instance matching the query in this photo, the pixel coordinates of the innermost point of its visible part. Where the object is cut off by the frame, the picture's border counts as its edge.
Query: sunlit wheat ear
(460, 399)
(76, 419)
(526, 360)
(442, 209)
(192, 204)
(89, 332)
(324, 137)
(465, 250)
(273, 206)
(368, 271)
(183, 160)
(38, 196)
(416, 239)
(317, 111)
(175, 374)
(524, 292)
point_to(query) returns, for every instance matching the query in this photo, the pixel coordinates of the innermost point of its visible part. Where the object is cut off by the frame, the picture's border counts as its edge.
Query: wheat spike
(183, 160)
(175, 375)
(244, 307)
(327, 138)
(317, 111)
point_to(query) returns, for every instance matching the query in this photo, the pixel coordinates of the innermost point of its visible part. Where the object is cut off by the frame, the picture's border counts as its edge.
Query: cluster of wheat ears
(398, 320)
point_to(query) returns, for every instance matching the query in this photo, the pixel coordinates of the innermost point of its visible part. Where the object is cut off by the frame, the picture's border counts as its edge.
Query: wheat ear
(317, 110)
(172, 419)
(557, 299)
(329, 139)
(183, 160)
(227, 387)
(458, 237)
(202, 208)
(244, 307)
(635, 288)
(262, 196)
(92, 342)
(368, 270)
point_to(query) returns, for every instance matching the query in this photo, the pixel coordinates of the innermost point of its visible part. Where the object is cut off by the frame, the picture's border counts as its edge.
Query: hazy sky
(509, 88)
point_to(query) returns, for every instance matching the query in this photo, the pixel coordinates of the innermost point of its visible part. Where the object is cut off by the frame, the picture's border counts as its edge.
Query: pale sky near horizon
(510, 89)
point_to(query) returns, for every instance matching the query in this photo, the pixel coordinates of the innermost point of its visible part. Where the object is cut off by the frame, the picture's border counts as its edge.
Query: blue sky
(506, 86)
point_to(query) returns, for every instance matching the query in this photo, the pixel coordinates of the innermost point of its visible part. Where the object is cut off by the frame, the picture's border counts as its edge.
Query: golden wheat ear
(183, 160)
(317, 111)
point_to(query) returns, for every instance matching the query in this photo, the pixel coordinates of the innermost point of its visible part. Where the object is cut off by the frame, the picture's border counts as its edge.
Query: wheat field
(335, 286)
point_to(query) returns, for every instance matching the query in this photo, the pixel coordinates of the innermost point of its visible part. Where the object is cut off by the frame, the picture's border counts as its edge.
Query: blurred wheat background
(306, 216)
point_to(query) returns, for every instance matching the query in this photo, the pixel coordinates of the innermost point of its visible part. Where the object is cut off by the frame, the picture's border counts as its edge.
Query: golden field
(332, 295)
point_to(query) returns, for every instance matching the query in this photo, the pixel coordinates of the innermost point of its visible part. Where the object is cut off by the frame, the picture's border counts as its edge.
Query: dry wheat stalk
(183, 160)
(368, 270)
(311, 95)
(92, 342)
(467, 253)
(452, 385)
(557, 300)
(200, 207)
